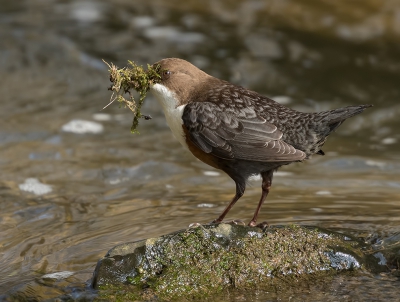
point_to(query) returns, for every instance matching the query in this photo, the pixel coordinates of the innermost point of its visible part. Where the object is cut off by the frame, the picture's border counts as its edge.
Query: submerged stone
(206, 260)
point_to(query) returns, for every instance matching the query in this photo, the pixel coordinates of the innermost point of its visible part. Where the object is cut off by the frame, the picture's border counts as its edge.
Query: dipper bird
(238, 130)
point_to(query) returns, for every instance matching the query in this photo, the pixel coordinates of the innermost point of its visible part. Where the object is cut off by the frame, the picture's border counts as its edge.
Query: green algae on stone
(199, 263)
(132, 77)
(120, 293)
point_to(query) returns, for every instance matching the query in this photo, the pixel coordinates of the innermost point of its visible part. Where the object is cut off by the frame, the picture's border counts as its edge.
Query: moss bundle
(132, 77)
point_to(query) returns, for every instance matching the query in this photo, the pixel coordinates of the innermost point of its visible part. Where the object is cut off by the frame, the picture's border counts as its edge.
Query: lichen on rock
(132, 77)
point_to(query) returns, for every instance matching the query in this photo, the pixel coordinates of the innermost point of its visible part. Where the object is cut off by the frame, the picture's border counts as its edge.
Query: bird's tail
(334, 118)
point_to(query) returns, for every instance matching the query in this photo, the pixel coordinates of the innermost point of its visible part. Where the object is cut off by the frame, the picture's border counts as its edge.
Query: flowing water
(74, 182)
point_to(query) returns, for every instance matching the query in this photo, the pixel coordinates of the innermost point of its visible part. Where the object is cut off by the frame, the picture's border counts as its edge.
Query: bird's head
(179, 82)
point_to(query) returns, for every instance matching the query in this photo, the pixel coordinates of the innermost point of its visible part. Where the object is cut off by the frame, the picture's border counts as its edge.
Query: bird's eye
(166, 74)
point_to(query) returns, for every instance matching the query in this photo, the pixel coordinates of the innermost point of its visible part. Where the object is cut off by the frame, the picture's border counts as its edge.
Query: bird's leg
(265, 186)
(240, 187)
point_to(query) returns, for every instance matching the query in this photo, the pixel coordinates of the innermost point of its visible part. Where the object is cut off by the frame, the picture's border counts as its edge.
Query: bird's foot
(194, 225)
(252, 223)
(263, 225)
(232, 222)
(235, 222)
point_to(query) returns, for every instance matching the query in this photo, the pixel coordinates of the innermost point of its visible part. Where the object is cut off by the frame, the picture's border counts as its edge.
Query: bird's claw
(231, 222)
(263, 225)
(194, 225)
(236, 222)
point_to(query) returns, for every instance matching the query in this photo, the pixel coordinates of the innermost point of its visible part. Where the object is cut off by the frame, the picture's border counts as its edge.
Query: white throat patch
(173, 114)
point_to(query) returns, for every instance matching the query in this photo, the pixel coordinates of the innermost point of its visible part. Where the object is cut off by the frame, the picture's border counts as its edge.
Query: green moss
(198, 265)
(120, 293)
(205, 262)
(133, 77)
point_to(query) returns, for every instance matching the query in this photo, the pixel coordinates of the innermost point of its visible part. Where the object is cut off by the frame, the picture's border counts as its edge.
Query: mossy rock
(204, 261)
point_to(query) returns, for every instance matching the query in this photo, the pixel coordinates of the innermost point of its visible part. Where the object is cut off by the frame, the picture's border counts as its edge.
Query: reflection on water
(68, 197)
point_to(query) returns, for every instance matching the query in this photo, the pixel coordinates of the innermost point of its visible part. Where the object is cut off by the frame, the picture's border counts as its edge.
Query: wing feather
(231, 135)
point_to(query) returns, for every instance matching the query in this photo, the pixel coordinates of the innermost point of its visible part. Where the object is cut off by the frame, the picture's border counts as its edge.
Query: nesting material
(133, 77)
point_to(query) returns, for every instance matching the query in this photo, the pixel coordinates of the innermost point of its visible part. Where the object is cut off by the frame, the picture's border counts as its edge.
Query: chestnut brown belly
(207, 158)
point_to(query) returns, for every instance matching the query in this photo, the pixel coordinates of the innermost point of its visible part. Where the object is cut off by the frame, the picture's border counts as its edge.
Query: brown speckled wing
(236, 134)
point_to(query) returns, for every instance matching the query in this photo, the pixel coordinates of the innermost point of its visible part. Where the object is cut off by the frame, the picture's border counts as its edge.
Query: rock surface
(206, 260)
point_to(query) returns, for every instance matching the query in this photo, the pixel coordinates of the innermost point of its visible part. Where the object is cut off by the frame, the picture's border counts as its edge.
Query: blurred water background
(74, 182)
